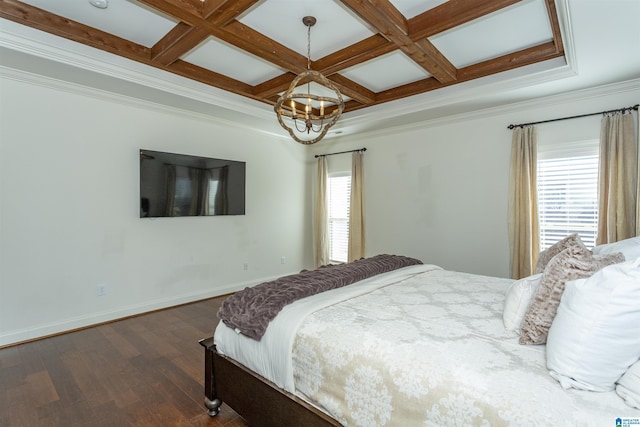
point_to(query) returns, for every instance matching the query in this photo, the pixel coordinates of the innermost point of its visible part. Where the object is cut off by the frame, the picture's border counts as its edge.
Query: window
(568, 191)
(213, 193)
(339, 189)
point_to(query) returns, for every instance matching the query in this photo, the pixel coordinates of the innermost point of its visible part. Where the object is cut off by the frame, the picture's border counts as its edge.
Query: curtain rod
(341, 152)
(622, 110)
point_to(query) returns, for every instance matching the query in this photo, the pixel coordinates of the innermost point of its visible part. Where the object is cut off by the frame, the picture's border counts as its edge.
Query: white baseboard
(73, 323)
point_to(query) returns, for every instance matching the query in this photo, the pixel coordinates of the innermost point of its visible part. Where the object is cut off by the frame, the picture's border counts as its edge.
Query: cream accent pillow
(595, 336)
(548, 254)
(575, 262)
(517, 300)
(628, 386)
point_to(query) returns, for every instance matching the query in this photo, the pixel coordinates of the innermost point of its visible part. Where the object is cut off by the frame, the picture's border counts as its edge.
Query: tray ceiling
(374, 51)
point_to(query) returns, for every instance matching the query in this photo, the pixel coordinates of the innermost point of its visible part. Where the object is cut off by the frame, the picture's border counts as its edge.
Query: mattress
(418, 346)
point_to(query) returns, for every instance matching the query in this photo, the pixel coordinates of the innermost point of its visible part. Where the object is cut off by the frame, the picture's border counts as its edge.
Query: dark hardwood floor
(141, 371)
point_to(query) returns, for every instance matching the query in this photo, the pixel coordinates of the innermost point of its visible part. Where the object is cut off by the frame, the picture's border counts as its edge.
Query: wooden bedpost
(211, 401)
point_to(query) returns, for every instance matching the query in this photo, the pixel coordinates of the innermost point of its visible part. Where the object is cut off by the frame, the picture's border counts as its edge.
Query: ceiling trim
(568, 97)
(28, 40)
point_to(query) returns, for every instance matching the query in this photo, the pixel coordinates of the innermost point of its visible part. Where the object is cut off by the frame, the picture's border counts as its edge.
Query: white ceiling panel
(386, 71)
(509, 30)
(229, 61)
(122, 18)
(281, 20)
(411, 8)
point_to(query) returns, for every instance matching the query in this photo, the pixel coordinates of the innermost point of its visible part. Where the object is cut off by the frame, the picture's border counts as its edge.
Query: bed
(418, 345)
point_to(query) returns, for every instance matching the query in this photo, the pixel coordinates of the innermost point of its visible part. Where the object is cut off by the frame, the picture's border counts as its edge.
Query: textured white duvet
(271, 356)
(429, 350)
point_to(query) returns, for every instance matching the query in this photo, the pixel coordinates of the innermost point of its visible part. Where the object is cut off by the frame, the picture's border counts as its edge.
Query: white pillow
(628, 387)
(595, 335)
(630, 248)
(517, 301)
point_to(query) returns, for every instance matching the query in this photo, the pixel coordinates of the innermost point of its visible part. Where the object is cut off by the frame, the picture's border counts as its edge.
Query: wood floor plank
(10, 357)
(119, 342)
(141, 371)
(82, 372)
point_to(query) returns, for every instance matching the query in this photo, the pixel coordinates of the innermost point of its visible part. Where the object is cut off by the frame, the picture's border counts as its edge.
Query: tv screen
(182, 185)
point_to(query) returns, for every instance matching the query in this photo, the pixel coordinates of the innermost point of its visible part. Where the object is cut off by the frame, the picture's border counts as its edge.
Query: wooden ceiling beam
(555, 26)
(211, 78)
(357, 53)
(183, 37)
(353, 90)
(229, 11)
(274, 86)
(180, 40)
(250, 40)
(532, 55)
(222, 25)
(218, 18)
(383, 16)
(347, 87)
(176, 9)
(542, 52)
(452, 14)
(210, 6)
(441, 18)
(34, 17)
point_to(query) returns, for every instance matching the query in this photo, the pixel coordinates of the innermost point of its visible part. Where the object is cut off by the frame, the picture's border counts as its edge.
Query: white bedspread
(431, 350)
(271, 356)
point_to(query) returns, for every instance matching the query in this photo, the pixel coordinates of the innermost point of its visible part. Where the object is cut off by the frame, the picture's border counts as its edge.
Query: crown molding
(108, 96)
(533, 104)
(47, 46)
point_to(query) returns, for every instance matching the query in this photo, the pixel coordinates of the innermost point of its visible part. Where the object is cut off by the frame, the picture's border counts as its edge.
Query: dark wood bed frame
(254, 398)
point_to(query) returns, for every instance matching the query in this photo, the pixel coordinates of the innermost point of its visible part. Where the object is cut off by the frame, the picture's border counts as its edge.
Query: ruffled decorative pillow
(575, 262)
(548, 254)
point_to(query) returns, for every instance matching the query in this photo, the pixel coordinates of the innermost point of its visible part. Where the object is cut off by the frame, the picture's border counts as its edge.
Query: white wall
(69, 200)
(438, 191)
(69, 210)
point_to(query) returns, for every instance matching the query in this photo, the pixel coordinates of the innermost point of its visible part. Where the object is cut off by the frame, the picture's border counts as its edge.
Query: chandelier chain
(308, 47)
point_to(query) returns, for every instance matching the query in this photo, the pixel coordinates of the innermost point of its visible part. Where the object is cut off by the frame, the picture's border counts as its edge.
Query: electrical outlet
(246, 266)
(282, 259)
(102, 290)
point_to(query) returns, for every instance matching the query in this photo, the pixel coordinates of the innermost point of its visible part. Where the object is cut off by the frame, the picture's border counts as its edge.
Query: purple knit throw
(251, 309)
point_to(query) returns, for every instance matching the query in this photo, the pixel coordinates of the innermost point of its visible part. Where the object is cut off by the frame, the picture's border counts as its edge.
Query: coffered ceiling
(377, 52)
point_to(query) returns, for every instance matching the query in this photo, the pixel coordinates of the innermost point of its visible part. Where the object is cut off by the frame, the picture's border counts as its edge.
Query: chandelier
(308, 116)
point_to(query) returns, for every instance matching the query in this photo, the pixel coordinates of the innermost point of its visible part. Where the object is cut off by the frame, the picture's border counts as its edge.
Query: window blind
(568, 191)
(338, 216)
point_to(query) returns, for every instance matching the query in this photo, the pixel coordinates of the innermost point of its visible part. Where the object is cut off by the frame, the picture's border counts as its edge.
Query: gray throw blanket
(251, 309)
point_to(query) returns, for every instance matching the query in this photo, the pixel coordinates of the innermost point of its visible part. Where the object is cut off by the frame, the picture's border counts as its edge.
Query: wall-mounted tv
(174, 185)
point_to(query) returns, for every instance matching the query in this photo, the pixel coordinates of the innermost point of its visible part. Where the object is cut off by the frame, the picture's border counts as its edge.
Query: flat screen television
(173, 185)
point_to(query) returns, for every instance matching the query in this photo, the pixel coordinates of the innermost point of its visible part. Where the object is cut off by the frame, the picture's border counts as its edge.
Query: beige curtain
(638, 177)
(320, 226)
(356, 209)
(617, 177)
(524, 233)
